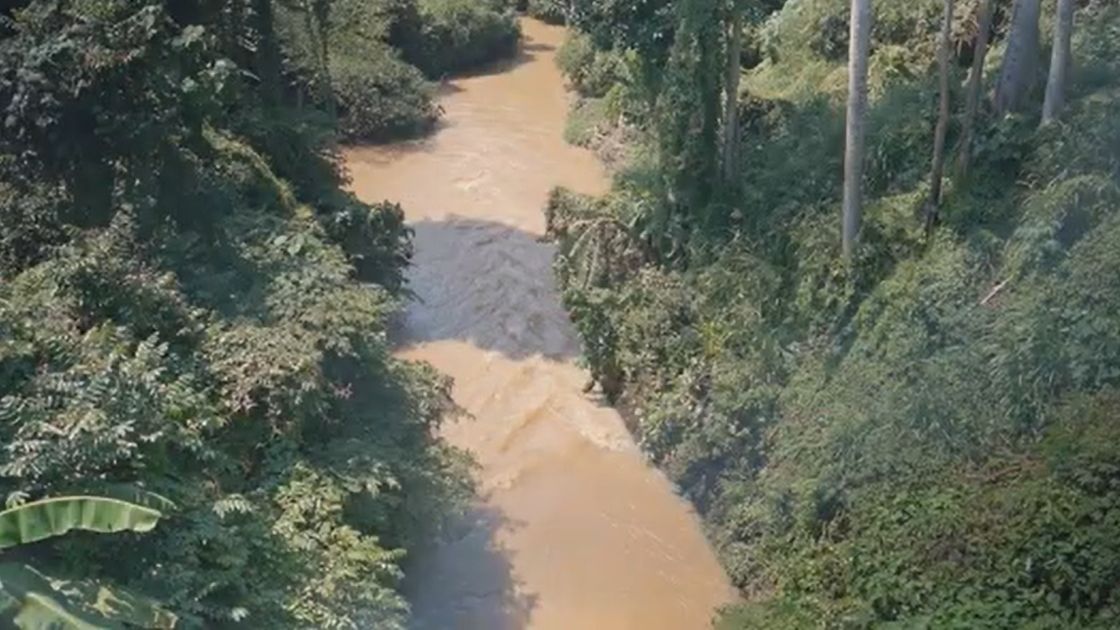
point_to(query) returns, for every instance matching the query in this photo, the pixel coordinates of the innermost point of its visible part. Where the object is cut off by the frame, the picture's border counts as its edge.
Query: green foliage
(31, 226)
(687, 112)
(377, 95)
(586, 120)
(30, 600)
(380, 97)
(39, 520)
(177, 314)
(458, 35)
(367, 60)
(550, 11)
(375, 239)
(920, 437)
(612, 104)
(808, 28)
(645, 27)
(591, 72)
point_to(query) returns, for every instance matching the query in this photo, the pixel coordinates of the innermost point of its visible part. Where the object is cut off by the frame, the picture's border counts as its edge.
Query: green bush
(575, 55)
(375, 94)
(591, 72)
(375, 239)
(549, 11)
(380, 97)
(819, 28)
(586, 120)
(378, 54)
(457, 35)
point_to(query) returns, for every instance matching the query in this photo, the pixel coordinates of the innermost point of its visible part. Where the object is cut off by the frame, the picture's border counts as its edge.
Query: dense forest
(193, 311)
(856, 289)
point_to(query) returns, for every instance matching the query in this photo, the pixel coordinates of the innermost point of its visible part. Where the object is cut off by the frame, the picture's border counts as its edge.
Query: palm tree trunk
(975, 82)
(1060, 59)
(317, 36)
(1020, 62)
(322, 10)
(938, 167)
(731, 87)
(268, 52)
(859, 48)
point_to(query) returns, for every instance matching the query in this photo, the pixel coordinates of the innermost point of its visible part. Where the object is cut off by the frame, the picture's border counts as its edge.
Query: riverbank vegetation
(372, 62)
(547, 11)
(906, 418)
(193, 314)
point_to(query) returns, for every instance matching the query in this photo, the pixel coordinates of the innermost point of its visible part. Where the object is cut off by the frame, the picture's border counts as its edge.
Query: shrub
(380, 97)
(549, 11)
(575, 55)
(375, 239)
(375, 94)
(586, 120)
(591, 72)
(458, 35)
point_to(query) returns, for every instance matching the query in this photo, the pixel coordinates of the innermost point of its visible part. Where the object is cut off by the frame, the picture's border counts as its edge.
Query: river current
(573, 529)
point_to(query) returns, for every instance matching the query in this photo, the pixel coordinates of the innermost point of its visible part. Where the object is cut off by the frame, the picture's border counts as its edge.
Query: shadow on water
(384, 154)
(467, 580)
(531, 47)
(487, 284)
(526, 52)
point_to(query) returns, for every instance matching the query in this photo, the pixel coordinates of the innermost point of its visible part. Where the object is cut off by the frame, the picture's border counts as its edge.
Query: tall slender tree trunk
(316, 27)
(328, 85)
(731, 89)
(322, 10)
(938, 168)
(1020, 62)
(975, 82)
(268, 52)
(688, 109)
(858, 50)
(1060, 61)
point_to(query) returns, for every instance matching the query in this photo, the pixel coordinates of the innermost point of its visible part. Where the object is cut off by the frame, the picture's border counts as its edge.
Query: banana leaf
(53, 517)
(30, 600)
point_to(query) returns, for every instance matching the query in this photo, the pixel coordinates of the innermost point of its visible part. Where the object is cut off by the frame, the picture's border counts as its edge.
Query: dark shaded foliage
(175, 314)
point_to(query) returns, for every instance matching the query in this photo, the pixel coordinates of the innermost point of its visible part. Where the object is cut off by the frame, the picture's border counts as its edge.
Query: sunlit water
(573, 529)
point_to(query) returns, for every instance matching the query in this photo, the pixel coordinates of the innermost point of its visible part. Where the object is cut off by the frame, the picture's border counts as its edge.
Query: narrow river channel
(573, 529)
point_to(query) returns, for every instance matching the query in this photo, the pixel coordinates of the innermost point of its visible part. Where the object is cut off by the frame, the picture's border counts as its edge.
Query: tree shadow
(381, 154)
(527, 51)
(488, 284)
(467, 580)
(535, 47)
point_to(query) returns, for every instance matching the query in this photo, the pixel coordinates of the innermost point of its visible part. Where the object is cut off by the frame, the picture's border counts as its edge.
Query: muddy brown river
(573, 529)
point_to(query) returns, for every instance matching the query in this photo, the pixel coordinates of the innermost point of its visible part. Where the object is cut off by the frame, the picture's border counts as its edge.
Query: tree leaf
(32, 601)
(47, 518)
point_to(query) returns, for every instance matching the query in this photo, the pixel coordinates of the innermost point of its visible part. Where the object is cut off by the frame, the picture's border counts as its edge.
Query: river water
(573, 529)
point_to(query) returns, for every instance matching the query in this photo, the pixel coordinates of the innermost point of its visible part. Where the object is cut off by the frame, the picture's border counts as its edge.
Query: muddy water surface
(573, 528)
